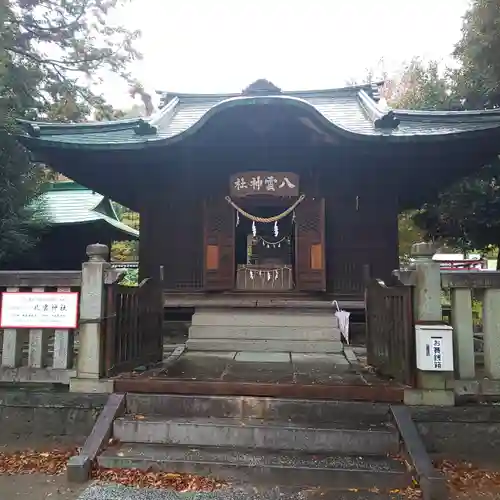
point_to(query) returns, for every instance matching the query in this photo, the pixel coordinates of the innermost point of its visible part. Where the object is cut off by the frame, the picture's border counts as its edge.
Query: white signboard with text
(434, 347)
(39, 310)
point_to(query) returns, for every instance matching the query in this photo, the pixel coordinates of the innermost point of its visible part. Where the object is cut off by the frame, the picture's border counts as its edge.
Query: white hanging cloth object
(343, 317)
(276, 230)
(254, 229)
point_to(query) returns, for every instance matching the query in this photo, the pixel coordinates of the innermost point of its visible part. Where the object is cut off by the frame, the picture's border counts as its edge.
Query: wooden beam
(374, 393)
(40, 279)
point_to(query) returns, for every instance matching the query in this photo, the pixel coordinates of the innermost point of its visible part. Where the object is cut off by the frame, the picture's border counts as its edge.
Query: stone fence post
(427, 301)
(431, 386)
(92, 312)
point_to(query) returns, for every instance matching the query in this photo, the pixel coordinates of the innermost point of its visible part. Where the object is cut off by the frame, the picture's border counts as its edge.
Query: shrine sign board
(39, 310)
(264, 183)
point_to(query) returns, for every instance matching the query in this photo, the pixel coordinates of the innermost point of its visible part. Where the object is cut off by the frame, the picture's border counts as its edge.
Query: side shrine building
(267, 190)
(76, 217)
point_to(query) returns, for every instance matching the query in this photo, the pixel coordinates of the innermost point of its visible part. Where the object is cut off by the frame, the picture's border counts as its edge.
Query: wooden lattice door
(219, 248)
(310, 245)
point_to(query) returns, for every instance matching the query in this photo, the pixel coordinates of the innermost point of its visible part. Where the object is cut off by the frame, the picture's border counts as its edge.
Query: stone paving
(38, 487)
(275, 368)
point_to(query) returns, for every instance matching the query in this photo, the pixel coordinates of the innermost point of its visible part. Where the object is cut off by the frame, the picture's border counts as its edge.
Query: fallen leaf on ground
(464, 476)
(412, 493)
(32, 462)
(54, 463)
(139, 478)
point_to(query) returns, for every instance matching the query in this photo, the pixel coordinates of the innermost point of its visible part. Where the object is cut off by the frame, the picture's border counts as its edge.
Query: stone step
(342, 438)
(264, 333)
(278, 318)
(262, 468)
(110, 491)
(294, 346)
(248, 408)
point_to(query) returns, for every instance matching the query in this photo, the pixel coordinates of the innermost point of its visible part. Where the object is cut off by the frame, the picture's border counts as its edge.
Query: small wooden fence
(129, 329)
(133, 327)
(390, 335)
(38, 355)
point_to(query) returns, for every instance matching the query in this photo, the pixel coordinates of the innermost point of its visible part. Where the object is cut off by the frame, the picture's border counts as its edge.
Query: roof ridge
(65, 186)
(228, 95)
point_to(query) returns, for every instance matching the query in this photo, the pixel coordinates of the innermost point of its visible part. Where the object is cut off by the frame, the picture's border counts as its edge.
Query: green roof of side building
(68, 203)
(354, 112)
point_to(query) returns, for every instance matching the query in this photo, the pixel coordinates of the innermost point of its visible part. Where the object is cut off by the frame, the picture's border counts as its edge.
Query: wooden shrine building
(267, 190)
(76, 217)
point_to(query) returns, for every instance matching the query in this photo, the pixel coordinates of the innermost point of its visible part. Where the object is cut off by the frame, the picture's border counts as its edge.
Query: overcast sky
(212, 46)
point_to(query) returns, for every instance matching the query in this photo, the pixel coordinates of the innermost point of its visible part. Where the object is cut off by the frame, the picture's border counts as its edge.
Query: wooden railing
(38, 355)
(389, 327)
(133, 335)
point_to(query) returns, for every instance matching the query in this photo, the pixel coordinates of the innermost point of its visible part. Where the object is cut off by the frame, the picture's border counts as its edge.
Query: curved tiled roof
(352, 111)
(69, 203)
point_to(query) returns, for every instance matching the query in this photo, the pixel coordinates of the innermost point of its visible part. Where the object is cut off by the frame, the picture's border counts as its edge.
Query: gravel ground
(109, 492)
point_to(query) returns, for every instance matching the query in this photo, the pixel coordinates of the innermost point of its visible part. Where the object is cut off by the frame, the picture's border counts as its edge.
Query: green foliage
(21, 225)
(82, 43)
(478, 78)
(51, 52)
(125, 251)
(131, 278)
(419, 86)
(467, 214)
(409, 234)
(131, 219)
(20, 181)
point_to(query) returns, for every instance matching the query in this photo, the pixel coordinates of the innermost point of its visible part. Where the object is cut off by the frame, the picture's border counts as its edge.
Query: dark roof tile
(352, 110)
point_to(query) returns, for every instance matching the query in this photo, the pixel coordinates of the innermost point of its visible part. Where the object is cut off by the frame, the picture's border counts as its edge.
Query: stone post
(427, 302)
(463, 333)
(92, 311)
(491, 332)
(431, 386)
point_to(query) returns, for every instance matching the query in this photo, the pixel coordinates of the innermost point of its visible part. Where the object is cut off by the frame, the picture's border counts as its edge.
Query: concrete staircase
(295, 330)
(261, 442)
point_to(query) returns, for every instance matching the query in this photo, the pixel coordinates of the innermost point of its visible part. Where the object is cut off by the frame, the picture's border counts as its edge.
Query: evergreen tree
(467, 214)
(51, 51)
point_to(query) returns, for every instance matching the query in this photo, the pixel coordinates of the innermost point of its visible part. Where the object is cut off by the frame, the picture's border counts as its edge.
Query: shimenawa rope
(266, 220)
